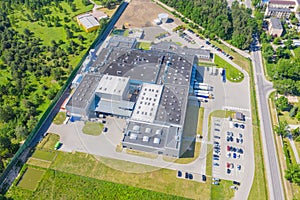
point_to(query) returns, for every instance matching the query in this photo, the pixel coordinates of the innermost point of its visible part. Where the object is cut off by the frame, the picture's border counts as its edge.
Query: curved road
(263, 89)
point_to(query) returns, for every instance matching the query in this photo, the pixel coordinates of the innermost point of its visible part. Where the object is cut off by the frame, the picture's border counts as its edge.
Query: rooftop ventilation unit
(158, 132)
(136, 128)
(148, 130)
(133, 136)
(145, 139)
(156, 141)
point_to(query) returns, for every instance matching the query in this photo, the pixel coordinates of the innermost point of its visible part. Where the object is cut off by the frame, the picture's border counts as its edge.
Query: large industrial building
(151, 89)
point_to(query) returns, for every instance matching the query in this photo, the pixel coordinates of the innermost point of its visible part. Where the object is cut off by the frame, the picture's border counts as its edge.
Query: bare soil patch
(141, 13)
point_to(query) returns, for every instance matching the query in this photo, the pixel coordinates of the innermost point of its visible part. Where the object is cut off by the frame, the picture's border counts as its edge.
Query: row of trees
(233, 24)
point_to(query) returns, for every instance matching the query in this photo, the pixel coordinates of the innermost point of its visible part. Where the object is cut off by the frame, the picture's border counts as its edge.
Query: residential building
(275, 27)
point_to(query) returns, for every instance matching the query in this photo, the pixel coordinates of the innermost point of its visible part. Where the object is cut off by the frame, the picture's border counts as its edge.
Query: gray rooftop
(173, 47)
(113, 85)
(276, 23)
(121, 108)
(121, 41)
(144, 134)
(85, 91)
(172, 105)
(136, 64)
(274, 9)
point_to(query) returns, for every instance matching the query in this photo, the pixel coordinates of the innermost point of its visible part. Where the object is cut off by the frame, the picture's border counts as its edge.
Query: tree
(281, 129)
(277, 41)
(282, 104)
(298, 116)
(288, 43)
(293, 174)
(26, 32)
(296, 133)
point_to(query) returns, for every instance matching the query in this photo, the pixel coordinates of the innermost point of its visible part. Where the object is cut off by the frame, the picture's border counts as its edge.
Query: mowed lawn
(49, 141)
(31, 178)
(59, 118)
(143, 45)
(44, 155)
(232, 73)
(220, 192)
(92, 128)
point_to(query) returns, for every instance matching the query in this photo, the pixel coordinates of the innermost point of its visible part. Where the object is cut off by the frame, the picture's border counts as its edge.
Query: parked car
(203, 178)
(179, 174)
(236, 183)
(215, 183)
(191, 176)
(105, 129)
(216, 164)
(186, 175)
(216, 179)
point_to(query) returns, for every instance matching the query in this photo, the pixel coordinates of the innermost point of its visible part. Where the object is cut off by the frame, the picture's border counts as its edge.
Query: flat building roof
(113, 85)
(147, 103)
(88, 21)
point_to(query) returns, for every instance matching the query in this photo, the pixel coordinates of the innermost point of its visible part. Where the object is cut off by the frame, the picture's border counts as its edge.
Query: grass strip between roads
(259, 185)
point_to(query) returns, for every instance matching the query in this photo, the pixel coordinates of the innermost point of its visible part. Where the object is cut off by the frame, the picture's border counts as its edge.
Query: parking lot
(230, 140)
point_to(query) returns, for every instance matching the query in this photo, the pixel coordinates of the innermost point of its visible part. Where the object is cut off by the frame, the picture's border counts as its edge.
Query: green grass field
(222, 191)
(92, 128)
(232, 73)
(49, 141)
(61, 185)
(59, 118)
(44, 155)
(30, 178)
(143, 45)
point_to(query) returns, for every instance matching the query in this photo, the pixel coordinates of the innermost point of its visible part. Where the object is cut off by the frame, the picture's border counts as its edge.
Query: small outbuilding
(88, 22)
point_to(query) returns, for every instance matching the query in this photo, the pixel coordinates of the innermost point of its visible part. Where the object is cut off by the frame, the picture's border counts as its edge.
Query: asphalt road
(263, 89)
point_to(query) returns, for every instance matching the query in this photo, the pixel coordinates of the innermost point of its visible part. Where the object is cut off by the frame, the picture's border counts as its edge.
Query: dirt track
(141, 13)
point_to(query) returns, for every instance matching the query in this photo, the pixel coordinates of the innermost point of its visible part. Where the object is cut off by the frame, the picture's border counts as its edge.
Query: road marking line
(235, 108)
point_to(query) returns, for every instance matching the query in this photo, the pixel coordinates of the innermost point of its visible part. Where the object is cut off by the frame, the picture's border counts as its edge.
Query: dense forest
(235, 24)
(40, 45)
